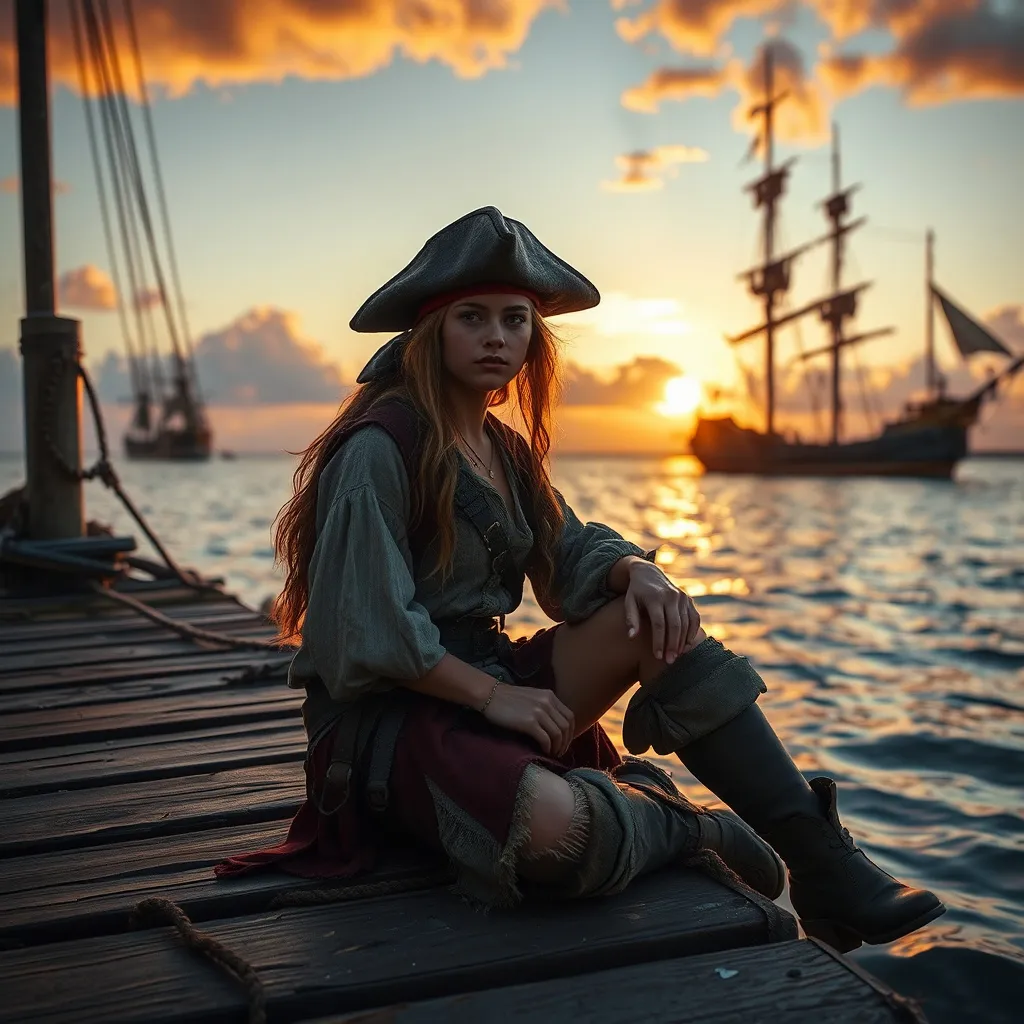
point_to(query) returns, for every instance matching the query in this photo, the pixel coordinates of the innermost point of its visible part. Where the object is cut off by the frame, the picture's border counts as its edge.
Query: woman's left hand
(674, 620)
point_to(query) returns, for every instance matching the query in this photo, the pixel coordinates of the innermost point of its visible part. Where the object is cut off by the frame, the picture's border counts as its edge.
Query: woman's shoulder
(369, 457)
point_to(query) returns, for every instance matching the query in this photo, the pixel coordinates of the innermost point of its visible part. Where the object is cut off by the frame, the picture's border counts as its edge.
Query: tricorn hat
(482, 248)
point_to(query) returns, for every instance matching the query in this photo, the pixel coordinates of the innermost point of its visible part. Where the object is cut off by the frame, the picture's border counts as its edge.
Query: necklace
(488, 469)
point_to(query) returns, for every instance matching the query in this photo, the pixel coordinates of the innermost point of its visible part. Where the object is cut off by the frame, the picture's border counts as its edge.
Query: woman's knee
(553, 816)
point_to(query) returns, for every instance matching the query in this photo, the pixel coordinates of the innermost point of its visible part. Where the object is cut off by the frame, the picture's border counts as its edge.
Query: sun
(682, 396)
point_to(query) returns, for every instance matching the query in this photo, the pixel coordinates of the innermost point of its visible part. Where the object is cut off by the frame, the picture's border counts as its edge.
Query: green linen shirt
(370, 620)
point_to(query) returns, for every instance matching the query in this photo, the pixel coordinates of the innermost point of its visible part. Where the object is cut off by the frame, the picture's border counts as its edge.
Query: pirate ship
(927, 439)
(169, 418)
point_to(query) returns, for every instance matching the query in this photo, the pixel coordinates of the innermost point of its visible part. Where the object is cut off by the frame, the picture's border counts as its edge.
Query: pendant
(490, 473)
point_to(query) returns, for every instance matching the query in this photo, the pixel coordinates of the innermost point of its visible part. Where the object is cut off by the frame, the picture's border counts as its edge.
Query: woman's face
(486, 338)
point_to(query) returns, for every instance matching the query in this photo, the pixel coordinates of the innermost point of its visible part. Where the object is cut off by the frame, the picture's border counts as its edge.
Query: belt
(472, 638)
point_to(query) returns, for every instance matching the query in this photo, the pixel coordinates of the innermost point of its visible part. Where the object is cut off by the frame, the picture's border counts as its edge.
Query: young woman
(416, 516)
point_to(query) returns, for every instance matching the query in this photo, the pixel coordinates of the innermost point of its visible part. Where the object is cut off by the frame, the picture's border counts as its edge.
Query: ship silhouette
(928, 438)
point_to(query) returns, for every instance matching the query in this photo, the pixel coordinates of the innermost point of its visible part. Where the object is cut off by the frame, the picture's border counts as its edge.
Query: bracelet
(490, 697)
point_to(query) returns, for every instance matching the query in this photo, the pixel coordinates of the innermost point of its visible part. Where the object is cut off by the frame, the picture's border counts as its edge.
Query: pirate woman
(416, 517)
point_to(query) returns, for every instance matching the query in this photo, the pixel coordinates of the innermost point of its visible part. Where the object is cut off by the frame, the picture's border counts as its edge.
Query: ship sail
(969, 335)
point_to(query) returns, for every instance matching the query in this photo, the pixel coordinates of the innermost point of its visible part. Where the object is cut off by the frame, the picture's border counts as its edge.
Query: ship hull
(902, 450)
(170, 445)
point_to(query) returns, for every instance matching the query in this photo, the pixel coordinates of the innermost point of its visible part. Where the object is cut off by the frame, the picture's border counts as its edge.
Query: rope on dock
(102, 469)
(226, 959)
(184, 629)
(167, 911)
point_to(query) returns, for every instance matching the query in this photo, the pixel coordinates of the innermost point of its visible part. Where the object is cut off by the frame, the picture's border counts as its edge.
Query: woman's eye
(469, 314)
(517, 319)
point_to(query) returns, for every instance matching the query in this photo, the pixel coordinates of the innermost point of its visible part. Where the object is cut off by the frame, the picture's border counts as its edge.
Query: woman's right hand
(536, 712)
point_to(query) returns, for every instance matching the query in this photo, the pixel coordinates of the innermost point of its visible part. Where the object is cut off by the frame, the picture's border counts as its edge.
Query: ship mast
(929, 316)
(773, 276)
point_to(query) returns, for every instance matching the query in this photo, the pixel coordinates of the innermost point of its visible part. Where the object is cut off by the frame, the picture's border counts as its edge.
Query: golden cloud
(675, 84)
(230, 42)
(86, 287)
(942, 51)
(973, 54)
(803, 116)
(693, 26)
(646, 169)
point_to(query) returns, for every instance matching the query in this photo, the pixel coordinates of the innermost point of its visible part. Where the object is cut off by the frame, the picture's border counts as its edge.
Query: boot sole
(843, 939)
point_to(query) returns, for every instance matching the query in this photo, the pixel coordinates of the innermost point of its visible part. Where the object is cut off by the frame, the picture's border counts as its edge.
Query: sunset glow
(682, 396)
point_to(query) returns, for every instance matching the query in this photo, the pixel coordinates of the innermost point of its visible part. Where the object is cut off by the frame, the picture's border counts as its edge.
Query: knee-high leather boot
(839, 894)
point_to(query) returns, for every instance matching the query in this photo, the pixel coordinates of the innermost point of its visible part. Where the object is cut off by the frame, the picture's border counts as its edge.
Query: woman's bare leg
(595, 662)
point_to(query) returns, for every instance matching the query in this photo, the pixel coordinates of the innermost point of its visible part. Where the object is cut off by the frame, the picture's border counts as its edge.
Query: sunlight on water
(887, 618)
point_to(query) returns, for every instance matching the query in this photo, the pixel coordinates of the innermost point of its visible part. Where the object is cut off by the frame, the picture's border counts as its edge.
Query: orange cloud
(86, 287)
(674, 84)
(646, 169)
(964, 54)
(942, 51)
(231, 42)
(802, 117)
(693, 26)
(848, 17)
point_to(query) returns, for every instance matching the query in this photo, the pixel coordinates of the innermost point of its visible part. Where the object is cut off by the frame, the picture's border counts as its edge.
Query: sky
(310, 147)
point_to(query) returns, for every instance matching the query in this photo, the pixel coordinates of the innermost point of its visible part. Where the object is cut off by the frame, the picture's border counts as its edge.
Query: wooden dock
(132, 760)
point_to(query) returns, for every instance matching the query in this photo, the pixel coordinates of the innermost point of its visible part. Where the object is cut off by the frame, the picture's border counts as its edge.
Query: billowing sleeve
(364, 625)
(586, 552)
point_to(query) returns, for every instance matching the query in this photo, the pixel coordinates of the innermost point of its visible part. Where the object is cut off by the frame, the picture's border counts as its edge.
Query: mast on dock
(49, 343)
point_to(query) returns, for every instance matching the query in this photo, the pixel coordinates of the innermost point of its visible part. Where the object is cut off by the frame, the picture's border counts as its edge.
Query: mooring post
(49, 343)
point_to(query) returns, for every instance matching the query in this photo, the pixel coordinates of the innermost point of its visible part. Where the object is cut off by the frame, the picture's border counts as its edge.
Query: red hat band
(446, 298)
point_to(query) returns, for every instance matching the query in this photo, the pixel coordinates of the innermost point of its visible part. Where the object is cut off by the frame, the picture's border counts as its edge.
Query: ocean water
(887, 618)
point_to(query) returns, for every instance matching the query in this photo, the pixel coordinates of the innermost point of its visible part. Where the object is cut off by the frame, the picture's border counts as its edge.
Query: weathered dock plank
(113, 814)
(233, 626)
(80, 893)
(125, 719)
(90, 632)
(789, 983)
(82, 694)
(199, 661)
(113, 654)
(373, 952)
(140, 758)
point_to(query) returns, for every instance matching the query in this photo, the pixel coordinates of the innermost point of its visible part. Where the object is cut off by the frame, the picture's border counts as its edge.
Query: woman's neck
(469, 411)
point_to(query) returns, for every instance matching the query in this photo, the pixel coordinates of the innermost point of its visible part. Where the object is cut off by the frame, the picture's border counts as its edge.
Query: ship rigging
(169, 419)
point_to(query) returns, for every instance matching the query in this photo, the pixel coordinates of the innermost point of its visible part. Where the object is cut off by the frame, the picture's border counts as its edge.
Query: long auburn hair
(531, 395)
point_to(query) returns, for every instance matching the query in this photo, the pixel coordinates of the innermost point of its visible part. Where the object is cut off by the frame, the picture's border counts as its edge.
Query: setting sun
(682, 396)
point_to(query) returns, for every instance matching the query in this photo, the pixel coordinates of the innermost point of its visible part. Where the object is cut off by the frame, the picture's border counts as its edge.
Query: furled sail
(969, 335)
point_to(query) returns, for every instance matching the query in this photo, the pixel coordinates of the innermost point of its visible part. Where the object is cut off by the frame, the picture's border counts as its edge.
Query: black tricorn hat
(481, 248)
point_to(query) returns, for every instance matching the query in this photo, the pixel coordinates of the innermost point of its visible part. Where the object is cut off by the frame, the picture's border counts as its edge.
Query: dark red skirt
(478, 766)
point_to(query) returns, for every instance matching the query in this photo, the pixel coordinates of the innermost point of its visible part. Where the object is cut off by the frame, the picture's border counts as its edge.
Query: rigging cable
(126, 220)
(135, 172)
(161, 192)
(135, 367)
